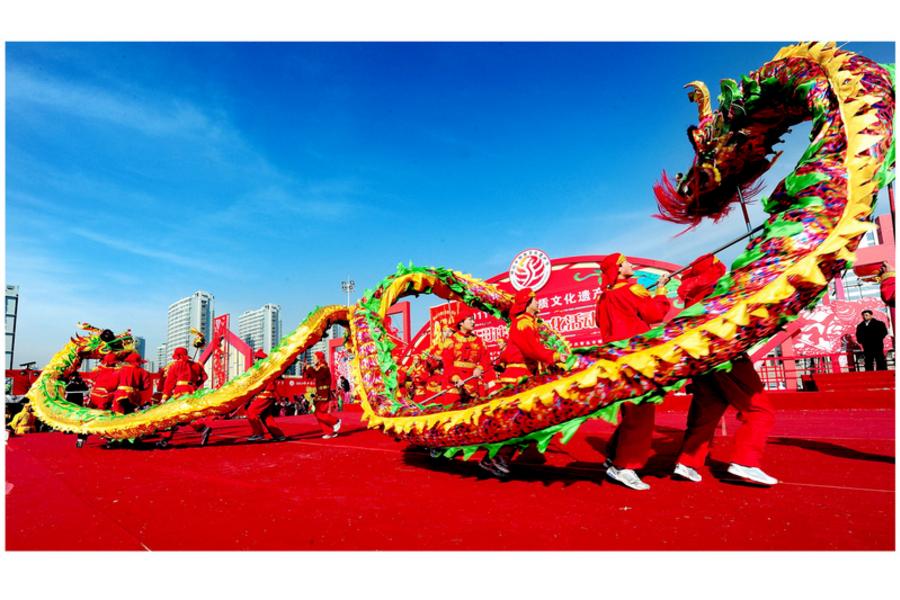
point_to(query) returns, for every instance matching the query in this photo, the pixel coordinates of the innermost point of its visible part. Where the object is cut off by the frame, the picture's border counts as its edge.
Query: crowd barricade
(796, 373)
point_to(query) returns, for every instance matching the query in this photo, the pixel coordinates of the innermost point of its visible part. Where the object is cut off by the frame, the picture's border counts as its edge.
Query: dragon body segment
(818, 215)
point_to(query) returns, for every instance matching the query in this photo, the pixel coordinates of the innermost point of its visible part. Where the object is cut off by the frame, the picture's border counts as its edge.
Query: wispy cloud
(164, 118)
(132, 247)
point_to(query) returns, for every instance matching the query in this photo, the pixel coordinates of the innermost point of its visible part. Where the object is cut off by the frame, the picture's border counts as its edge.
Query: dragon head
(100, 342)
(730, 154)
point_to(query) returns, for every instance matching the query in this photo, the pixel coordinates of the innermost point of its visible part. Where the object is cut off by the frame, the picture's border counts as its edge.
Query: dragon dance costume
(463, 353)
(625, 309)
(320, 373)
(259, 412)
(184, 376)
(523, 357)
(106, 380)
(427, 377)
(714, 392)
(23, 422)
(817, 216)
(133, 382)
(525, 353)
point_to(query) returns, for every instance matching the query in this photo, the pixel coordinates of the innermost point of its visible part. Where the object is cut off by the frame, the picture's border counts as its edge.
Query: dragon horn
(699, 93)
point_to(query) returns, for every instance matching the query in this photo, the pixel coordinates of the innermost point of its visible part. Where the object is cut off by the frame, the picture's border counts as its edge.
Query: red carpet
(362, 491)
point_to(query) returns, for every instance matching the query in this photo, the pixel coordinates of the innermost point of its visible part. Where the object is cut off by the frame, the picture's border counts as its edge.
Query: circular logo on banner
(530, 268)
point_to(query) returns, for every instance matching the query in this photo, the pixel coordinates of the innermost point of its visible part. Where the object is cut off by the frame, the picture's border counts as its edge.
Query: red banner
(219, 368)
(825, 325)
(566, 302)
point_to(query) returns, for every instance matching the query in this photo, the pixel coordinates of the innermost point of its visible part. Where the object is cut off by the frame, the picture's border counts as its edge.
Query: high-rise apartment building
(194, 311)
(334, 332)
(162, 358)
(12, 310)
(261, 328)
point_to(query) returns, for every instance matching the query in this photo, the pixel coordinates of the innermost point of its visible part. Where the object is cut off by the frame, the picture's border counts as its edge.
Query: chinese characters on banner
(566, 303)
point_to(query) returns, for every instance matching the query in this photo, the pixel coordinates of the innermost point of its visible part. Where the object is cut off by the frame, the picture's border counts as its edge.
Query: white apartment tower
(162, 358)
(261, 328)
(194, 311)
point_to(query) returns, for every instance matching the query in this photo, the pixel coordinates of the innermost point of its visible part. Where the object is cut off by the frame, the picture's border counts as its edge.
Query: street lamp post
(348, 286)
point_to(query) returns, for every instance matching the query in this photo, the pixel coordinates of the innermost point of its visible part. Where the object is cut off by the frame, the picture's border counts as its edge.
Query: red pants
(713, 393)
(323, 416)
(260, 412)
(629, 447)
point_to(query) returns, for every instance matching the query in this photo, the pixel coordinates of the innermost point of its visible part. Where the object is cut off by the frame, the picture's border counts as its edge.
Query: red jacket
(628, 309)
(462, 354)
(525, 351)
(133, 381)
(183, 376)
(106, 380)
(322, 376)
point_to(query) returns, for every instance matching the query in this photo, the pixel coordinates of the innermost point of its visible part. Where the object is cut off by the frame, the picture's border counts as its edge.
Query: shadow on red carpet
(364, 491)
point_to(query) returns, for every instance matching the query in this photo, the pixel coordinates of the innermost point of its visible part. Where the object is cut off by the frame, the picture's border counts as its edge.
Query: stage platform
(364, 491)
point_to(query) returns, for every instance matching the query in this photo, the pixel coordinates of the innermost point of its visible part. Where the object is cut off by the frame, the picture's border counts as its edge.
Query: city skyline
(261, 327)
(139, 172)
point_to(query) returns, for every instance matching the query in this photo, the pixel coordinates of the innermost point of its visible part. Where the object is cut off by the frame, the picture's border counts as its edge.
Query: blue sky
(138, 173)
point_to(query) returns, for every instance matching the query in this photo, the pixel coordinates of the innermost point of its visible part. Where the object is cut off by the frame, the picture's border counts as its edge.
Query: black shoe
(281, 438)
(204, 437)
(162, 444)
(79, 443)
(256, 438)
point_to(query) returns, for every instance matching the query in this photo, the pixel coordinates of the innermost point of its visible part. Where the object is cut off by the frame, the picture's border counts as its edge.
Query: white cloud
(168, 118)
(130, 246)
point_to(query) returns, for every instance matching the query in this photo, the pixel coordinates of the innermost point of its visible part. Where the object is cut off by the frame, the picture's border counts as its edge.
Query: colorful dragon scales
(818, 215)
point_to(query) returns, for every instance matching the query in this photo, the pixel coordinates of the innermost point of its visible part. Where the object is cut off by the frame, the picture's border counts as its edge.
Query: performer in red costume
(260, 411)
(184, 376)
(524, 356)
(425, 377)
(428, 376)
(133, 382)
(106, 380)
(713, 392)
(625, 309)
(468, 373)
(321, 374)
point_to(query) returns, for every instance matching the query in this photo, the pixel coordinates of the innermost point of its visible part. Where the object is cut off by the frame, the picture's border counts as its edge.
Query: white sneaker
(328, 436)
(754, 474)
(501, 464)
(337, 426)
(687, 472)
(490, 466)
(627, 477)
